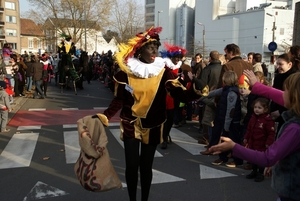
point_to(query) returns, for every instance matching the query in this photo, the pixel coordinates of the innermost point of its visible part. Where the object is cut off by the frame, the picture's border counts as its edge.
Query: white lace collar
(144, 70)
(171, 65)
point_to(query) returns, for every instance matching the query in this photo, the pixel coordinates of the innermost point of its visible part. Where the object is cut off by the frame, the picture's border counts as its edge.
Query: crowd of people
(241, 115)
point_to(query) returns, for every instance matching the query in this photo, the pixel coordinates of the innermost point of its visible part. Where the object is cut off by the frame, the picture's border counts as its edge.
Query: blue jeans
(29, 83)
(38, 89)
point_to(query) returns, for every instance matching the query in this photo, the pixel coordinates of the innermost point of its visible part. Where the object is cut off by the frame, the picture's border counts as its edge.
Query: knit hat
(128, 50)
(243, 83)
(172, 51)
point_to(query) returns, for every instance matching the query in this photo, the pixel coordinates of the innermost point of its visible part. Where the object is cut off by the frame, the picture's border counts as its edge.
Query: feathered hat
(65, 36)
(243, 83)
(173, 51)
(128, 50)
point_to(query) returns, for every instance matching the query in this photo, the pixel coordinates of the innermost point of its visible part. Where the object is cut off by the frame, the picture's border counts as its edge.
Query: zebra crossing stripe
(29, 127)
(70, 126)
(116, 134)
(99, 108)
(19, 150)
(37, 109)
(186, 142)
(70, 109)
(72, 148)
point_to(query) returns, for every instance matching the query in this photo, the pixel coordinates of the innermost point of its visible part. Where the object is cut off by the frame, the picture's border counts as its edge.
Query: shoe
(164, 145)
(42, 97)
(252, 175)
(206, 152)
(231, 164)
(175, 125)
(248, 167)
(5, 131)
(217, 162)
(259, 177)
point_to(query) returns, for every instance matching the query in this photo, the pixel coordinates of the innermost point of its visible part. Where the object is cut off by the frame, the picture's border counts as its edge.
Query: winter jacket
(260, 132)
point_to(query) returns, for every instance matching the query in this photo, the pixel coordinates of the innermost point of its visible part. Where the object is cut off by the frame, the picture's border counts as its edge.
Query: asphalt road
(37, 156)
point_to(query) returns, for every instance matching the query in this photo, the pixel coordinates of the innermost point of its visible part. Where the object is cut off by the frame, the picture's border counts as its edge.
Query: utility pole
(203, 37)
(85, 48)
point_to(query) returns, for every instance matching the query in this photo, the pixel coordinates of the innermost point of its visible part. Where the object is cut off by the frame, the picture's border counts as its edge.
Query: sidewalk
(16, 105)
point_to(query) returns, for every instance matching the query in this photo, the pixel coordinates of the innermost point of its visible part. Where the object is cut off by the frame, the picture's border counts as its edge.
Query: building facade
(251, 24)
(10, 26)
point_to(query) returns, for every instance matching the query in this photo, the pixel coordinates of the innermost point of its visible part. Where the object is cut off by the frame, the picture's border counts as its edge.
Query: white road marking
(69, 108)
(37, 109)
(100, 108)
(29, 127)
(42, 191)
(212, 173)
(186, 142)
(114, 124)
(70, 126)
(19, 150)
(116, 134)
(72, 148)
(161, 177)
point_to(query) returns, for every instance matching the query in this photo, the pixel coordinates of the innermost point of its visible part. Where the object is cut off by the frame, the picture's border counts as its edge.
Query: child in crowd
(284, 153)
(228, 116)
(4, 107)
(260, 134)
(251, 97)
(244, 93)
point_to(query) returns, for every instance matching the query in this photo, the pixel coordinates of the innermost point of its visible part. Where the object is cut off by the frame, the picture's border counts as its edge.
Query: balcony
(2, 23)
(2, 37)
(1, 10)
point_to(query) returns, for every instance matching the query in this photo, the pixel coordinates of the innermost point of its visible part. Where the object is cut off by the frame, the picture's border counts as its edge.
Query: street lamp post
(158, 12)
(203, 37)
(55, 34)
(273, 34)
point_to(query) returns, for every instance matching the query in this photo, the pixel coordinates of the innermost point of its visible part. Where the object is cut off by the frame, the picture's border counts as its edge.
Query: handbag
(93, 168)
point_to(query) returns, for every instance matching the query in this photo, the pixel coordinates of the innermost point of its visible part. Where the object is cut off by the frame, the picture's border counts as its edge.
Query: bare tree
(79, 14)
(127, 18)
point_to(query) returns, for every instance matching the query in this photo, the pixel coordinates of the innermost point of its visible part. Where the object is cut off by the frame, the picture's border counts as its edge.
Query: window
(150, 18)
(39, 44)
(10, 5)
(150, 9)
(11, 32)
(11, 19)
(30, 43)
(150, 1)
(14, 46)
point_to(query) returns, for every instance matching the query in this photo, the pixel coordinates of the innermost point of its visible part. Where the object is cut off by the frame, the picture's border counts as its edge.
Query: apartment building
(206, 25)
(10, 25)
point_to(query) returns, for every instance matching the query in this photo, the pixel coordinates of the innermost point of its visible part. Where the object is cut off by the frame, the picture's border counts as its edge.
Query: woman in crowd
(284, 69)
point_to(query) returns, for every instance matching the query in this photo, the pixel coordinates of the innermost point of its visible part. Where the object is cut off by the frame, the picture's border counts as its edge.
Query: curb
(18, 103)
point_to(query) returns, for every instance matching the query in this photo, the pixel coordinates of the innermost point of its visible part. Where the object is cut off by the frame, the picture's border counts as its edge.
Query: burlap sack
(93, 167)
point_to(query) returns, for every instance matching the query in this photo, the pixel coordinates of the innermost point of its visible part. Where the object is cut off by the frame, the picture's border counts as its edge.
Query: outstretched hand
(225, 145)
(252, 79)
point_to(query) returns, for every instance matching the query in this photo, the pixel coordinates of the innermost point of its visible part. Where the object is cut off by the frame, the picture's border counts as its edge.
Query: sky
(24, 5)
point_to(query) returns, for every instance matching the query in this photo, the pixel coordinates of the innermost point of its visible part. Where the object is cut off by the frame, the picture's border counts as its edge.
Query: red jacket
(260, 132)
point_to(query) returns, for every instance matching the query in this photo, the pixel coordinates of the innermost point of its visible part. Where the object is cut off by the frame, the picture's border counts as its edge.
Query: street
(37, 156)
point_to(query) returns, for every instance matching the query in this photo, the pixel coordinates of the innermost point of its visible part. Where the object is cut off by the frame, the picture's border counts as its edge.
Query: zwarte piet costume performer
(66, 49)
(140, 93)
(172, 55)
